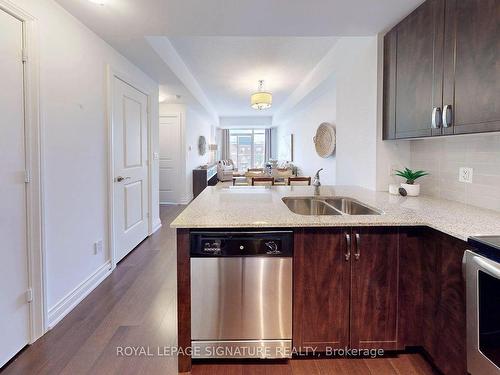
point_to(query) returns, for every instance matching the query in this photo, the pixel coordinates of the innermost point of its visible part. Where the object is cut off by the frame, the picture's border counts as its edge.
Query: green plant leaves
(410, 175)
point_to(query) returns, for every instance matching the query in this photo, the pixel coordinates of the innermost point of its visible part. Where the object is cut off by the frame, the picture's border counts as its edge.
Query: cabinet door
(450, 319)
(419, 70)
(374, 288)
(389, 97)
(321, 288)
(472, 71)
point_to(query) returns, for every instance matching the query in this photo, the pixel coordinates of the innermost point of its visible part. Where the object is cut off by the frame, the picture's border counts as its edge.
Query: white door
(131, 182)
(14, 310)
(170, 156)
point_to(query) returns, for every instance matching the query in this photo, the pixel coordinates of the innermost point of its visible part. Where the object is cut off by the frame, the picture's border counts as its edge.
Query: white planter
(412, 190)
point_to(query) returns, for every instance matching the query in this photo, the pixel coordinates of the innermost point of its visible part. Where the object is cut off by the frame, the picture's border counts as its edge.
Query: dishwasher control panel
(241, 244)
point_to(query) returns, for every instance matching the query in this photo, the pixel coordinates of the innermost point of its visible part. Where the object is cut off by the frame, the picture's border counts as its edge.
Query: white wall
(196, 126)
(303, 124)
(356, 73)
(75, 144)
(353, 70)
(245, 122)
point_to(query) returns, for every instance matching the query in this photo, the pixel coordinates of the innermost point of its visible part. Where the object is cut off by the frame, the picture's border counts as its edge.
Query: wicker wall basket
(325, 140)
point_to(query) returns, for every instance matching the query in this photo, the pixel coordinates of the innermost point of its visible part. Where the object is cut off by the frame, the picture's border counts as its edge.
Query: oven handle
(495, 271)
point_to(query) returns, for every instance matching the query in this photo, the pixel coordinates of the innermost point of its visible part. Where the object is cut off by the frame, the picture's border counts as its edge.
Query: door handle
(357, 254)
(436, 118)
(447, 116)
(120, 178)
(348, 250)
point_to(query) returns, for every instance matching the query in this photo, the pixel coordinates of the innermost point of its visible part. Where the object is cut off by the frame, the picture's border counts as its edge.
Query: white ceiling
(228, 68)
(280, 41)
(241, 18)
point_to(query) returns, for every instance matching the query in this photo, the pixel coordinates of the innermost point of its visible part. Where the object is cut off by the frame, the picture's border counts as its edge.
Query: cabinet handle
(447, 116)
(357, 254)
(348, 250)
(436, 118)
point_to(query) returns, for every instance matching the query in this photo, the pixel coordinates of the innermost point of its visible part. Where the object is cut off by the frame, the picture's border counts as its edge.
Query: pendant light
(261, 99)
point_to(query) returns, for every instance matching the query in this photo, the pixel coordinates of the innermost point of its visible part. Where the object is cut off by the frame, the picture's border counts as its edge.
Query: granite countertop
(262, 207)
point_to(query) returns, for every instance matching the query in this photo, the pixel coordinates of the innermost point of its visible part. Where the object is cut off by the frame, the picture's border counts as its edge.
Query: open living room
(244, 188)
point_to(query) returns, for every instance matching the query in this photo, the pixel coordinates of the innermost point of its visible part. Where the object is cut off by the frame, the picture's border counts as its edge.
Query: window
(247, 148)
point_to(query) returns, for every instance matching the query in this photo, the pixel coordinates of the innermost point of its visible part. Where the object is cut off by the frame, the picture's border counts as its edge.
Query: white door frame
(149, 90)
(34, 166)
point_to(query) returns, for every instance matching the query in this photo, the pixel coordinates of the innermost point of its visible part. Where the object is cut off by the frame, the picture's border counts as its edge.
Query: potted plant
(411, 188)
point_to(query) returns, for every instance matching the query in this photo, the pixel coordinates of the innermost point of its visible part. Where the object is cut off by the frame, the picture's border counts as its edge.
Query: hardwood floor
(135, 307)
(402, 364)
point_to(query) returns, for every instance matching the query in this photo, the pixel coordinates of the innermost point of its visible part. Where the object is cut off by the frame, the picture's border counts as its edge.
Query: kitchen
(327, 267)
(268, 187)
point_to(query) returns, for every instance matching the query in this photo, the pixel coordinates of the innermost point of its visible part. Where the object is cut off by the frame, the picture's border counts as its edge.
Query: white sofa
(225, 169)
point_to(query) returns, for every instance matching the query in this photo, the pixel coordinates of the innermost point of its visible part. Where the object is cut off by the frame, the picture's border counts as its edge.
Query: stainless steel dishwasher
(241, 294)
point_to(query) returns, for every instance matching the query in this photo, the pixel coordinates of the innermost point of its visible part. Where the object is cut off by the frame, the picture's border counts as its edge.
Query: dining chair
(262, 181)
(299, 180)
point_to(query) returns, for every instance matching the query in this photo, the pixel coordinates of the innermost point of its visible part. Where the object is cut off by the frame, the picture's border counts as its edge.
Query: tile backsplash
(443, 157)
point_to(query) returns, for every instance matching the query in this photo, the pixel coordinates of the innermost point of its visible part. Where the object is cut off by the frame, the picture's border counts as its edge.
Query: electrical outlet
(465, 175)
(98, 247)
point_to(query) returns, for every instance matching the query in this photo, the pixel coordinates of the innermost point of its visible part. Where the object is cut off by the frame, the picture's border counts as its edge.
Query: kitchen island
(387, 281)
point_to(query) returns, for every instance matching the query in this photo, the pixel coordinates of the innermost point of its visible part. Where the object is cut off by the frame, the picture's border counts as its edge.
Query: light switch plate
(156, 155)
(465, 175)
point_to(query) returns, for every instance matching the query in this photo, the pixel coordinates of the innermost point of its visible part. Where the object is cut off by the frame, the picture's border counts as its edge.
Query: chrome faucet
(316, 181)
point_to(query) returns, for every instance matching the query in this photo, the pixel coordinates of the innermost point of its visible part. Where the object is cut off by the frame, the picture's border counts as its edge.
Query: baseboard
(186, 199)
(156, 225)
(182, 201)
(69, 302)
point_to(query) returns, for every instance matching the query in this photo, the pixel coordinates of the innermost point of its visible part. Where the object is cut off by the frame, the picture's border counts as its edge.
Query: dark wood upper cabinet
(443, 59)
(389, 98)
(321, 289)
(419, 70)
(472, 68)
(374, 288)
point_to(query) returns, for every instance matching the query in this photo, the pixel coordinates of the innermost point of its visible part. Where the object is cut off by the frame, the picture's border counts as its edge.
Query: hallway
(135, 306)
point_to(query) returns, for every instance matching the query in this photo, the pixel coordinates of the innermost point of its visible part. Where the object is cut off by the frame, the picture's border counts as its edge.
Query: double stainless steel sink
(319, 205)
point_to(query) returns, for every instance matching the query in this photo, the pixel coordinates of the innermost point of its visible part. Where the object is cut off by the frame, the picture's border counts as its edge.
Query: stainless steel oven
(241, 294)
(482, 271)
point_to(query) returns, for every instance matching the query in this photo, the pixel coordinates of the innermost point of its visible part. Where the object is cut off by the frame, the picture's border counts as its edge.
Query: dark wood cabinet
(203, 177)
(419, 70)
(374, 288)
(441, 73)
(381, 287)
(321, 288)
(472, 70)
(389, 97)
(432, 297)
(448, 334)
(346, 288)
